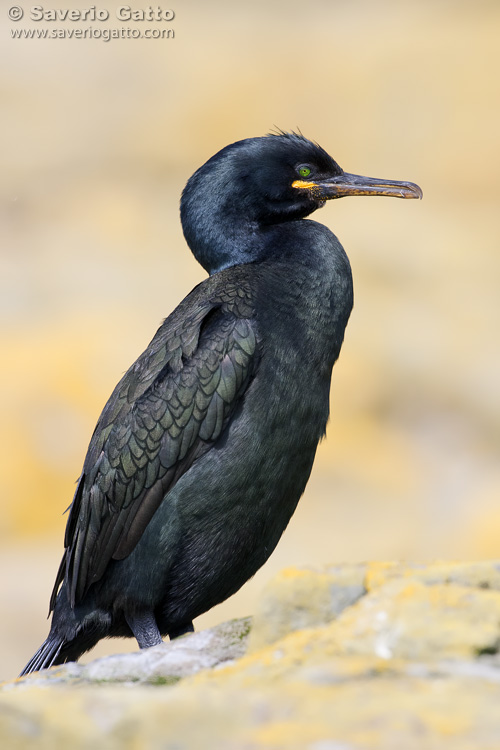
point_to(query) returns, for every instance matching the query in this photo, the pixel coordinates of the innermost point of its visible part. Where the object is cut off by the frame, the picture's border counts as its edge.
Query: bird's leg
(143, 626)
(182, 630)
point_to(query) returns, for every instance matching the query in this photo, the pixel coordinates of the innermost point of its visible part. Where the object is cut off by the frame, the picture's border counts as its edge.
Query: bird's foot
(143, 626)
(182, 630)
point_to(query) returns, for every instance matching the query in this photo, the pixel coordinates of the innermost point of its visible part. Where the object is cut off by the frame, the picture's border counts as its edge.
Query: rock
(303, 598)
(481, 575)
(395, 601)
(414, 620)
(382, 655)
(160, 665)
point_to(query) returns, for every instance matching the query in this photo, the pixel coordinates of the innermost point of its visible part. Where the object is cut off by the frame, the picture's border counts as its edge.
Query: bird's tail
(47, 655)
(66, 641)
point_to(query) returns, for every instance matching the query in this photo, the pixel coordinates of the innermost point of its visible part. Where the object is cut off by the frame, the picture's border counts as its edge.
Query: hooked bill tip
(412, 191)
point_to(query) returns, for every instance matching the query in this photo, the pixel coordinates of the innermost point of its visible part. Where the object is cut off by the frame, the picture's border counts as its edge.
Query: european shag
(201, 454)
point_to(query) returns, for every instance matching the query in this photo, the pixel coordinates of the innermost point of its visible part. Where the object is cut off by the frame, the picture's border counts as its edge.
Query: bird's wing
(167, 411)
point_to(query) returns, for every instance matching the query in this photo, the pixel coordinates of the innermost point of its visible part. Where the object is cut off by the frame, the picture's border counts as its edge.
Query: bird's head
(259, 182)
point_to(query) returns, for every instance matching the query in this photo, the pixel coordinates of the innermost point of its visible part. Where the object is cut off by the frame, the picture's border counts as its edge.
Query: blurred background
(98, 139)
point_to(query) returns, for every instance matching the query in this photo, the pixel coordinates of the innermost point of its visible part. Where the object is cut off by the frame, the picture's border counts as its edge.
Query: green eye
(304, 171)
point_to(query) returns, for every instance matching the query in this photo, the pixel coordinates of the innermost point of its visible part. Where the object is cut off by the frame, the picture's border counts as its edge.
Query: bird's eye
(304, 171)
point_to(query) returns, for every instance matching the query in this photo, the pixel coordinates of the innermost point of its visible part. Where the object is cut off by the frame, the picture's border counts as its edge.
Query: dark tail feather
(46, 656)
(59, 649)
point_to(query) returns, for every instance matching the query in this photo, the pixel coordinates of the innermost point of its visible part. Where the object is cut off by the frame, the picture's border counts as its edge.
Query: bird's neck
(221, 241)
(230, 244)
(313, 271)
(233, 238)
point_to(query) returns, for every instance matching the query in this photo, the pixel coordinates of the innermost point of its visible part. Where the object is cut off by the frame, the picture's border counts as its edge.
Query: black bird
(203, 450)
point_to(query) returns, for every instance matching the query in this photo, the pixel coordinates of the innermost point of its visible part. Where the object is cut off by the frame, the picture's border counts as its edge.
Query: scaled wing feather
(168, 410)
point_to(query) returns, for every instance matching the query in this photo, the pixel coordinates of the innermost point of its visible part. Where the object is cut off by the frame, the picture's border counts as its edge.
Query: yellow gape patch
(303, 184)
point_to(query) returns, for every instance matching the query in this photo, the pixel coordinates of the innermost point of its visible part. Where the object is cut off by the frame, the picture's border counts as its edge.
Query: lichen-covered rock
(165, 664)
(412, 620)
(441, 609)
(381, 656)
(302, 598)
(481, 575)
